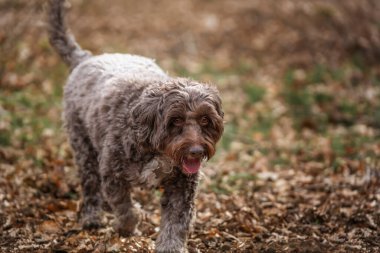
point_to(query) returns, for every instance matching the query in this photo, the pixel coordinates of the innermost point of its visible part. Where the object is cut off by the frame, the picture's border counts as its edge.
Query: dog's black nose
(196, 150)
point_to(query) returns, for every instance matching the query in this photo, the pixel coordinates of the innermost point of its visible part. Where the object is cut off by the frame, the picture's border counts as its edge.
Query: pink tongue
(191, 166)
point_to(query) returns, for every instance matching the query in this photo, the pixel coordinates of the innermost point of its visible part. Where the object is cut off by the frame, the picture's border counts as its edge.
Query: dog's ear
(215, 100)
(146, 115)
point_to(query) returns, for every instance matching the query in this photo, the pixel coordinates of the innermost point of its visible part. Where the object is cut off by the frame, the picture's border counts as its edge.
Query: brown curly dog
(130, 124)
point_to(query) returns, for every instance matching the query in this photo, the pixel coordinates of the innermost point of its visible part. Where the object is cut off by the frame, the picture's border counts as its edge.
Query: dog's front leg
(117, 192)
(177, 208)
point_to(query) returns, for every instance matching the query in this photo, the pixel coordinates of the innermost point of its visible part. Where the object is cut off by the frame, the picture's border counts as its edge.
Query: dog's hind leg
(86, 159)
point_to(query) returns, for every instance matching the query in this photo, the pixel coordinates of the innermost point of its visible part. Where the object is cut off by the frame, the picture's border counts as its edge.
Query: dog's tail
(63, 42)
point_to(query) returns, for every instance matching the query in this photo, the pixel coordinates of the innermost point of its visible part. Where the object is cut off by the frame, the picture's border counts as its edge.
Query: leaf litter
(298, 167)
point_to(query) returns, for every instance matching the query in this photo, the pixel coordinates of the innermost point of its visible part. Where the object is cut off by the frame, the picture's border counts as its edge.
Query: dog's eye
(177, 121)
(204, 121)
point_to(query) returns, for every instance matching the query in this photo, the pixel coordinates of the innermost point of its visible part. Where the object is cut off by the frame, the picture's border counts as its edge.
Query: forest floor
(298, 167)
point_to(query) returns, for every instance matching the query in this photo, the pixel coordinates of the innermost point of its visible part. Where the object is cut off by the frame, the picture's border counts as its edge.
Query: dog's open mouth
(191, 165)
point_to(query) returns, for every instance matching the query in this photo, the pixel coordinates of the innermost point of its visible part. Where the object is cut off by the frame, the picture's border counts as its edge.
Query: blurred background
(298, 168)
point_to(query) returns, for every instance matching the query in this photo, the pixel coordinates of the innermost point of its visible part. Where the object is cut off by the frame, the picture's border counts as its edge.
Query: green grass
(244, 67)
(230, 132)
(279, 161)
(321, 73)
(5, 139)
(233, 182)
(25, 112)
(318, 74)
(254, 93)
(299, 100)
(348, 108)
(182, 71)
(376, 117)
(264, 124)
(315, 107)
(209, 69)
(337, 145)
(322, 98)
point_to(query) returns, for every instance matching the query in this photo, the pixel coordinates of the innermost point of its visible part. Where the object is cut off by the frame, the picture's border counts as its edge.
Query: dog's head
(182, 119)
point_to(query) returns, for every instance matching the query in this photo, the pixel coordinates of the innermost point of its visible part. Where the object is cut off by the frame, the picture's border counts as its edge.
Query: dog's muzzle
(191, 163)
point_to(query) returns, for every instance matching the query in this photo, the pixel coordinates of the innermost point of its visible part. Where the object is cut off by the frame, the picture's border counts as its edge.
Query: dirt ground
(298, 167)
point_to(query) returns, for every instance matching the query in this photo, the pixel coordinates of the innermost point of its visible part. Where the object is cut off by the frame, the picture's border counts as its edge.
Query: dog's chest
(154, 171)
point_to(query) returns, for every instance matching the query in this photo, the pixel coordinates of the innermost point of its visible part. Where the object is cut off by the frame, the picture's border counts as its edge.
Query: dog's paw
(182, 250)
(91, 222)
(126, 225)
(127, 232)
(171, 246)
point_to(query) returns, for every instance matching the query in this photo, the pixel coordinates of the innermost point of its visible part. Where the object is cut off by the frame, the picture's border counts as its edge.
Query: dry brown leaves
(272, 187)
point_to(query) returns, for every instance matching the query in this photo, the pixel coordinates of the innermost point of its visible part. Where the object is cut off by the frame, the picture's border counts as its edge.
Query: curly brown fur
(130, 124)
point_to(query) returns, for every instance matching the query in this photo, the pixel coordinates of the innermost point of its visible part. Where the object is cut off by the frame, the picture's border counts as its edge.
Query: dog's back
(131, 66)
(103, 80)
